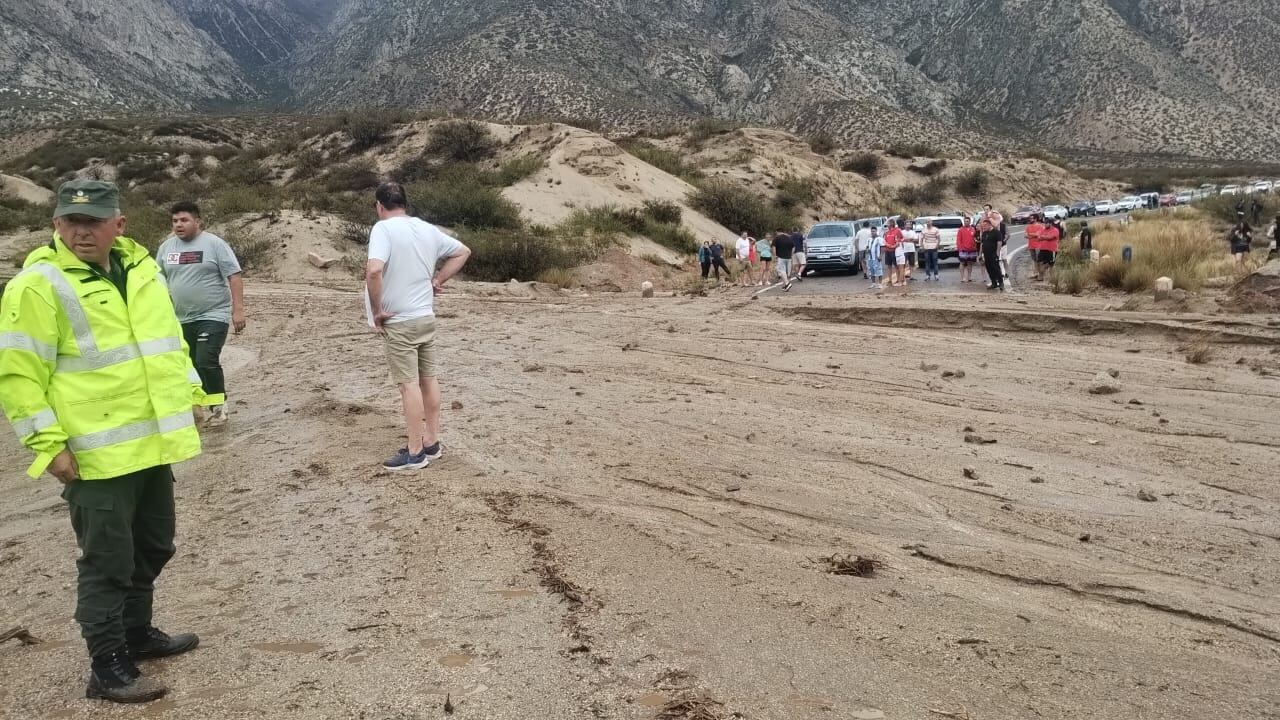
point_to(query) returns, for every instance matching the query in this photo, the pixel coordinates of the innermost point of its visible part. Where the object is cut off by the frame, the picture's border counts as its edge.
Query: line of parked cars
(1151, 200)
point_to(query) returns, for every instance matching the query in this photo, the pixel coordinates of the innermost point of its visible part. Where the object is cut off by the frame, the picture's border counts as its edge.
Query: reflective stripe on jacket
(84, 367)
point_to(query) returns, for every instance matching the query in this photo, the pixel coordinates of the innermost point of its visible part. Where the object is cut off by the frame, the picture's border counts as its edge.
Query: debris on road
(857, 566)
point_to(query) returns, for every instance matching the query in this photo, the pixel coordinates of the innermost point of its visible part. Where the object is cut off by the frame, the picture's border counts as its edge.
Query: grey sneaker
(115, 678)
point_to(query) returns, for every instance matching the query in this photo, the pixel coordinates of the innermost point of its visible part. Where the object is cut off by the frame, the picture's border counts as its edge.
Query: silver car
(830, 246)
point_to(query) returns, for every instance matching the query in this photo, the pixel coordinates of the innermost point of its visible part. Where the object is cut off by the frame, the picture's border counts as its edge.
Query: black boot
(114, 677)
(148, 643)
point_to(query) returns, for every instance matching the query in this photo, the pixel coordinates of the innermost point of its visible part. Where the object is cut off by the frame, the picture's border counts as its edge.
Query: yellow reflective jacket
(86, 368)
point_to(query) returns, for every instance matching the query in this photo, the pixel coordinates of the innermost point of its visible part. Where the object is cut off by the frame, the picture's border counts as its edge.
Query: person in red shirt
(1050, 235)
(892, 237)
(967, 250)
(1034, 231)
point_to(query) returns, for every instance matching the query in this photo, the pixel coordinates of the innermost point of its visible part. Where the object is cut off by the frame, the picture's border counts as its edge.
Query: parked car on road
(1185, 197)
(1168, 200)
(1024, 214)
(1230, 190)
(1104, 207)
(1082, 208)
(830, 246)
(1055, 211)
(1128, 203)
(1263, 186)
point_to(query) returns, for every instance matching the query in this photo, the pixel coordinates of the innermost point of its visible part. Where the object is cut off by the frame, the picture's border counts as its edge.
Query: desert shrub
(462, 141)
(662, 211)
(867, 164)
(973, 182)
(559, 277)
(18, 214)
(600, 220)
(929, 169)
(459, 204)
(353, 176)
(663, 159)
(195, 131)
(1223, 208)
(1199, 353)
(112, 127)
(369, 130)
(908, 151)
(931, 192)
(1069, 280)
(231, 201)
(1138, 278)
(143, 170)
(707, 128)
(1048, 157)
(671, 235)
(739, 209)
(822, 142)
(517, 169)
(254, 252)
(241, 171)
(499, 255)
(1182, 250)
(147, 223)
(794, 192)
(307, 164)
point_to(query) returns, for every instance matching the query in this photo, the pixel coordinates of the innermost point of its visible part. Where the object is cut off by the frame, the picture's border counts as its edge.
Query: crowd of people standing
(779, 254)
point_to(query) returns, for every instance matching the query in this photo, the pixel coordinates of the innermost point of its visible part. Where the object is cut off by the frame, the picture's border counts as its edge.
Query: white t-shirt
(909, 238)
(743, 248)
(411, 249)
(863, 239)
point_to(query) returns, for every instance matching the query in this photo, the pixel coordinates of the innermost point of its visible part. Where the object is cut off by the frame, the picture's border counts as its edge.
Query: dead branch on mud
(20, 634)
(857, 565)
(692, 706)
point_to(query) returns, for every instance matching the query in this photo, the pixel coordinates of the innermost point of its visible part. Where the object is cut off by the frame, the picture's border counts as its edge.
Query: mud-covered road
(637, 497)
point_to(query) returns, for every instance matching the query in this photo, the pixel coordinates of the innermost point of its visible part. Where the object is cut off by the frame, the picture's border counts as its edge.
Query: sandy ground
(637, 495)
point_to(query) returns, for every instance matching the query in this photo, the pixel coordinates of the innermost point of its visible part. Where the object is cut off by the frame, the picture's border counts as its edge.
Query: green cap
(94, 198)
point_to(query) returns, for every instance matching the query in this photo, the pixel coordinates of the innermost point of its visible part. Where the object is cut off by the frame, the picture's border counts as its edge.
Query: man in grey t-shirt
(204, 281)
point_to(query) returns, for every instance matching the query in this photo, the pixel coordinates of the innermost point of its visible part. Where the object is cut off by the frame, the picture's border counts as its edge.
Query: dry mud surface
(631, 519)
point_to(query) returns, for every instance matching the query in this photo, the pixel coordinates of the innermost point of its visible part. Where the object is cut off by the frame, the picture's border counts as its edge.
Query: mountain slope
(1178, 77)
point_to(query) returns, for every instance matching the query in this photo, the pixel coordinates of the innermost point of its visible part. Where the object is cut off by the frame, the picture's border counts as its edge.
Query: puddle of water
(48, 645)
(653, 700)
(513, 594)
(213, 693)
(457, 661)
(295, 648)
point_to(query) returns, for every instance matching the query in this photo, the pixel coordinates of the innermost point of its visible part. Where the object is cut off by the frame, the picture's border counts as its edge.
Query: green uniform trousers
(124, 527)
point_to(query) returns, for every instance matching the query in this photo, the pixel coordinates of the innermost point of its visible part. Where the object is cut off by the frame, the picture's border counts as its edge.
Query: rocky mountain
(1171, 77)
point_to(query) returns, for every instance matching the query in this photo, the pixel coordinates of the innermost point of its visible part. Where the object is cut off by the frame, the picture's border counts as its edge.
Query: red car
(1025, 214)
(1168, 200)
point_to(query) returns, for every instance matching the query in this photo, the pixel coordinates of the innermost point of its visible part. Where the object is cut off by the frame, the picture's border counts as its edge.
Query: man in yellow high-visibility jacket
(96, 380)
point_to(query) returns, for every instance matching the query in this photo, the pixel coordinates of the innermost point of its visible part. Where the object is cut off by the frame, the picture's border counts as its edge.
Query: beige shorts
(411, 349)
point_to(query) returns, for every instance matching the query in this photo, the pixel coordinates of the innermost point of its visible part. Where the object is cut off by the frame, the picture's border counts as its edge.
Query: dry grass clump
(1185, 250)
(1199, 354)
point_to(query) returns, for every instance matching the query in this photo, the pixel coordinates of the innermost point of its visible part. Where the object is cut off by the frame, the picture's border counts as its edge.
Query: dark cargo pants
(124, 527)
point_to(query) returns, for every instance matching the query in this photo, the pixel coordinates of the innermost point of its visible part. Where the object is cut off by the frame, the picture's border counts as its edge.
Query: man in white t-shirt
(909, 239)
(402, 280)
(743, 248)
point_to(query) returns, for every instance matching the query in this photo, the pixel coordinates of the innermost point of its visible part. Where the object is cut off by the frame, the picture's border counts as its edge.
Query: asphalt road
(827, 283)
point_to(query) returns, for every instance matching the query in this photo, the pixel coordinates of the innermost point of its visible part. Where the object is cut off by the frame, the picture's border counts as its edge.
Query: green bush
(707, 128)
(822, 142)
(1138, 278)
(241, 171)
(739, 209)
(908, 151)
(517, 169)
(794, 192)
(231, 201)
(18, 214)
(462, 141)
(351, 177)
(147, 223)
(307, 164)
(924, 195)
(663, 159)
(1069, 280)
(868, 165)
(559, 277)
(602, 220)
(662, 211)
(499, 255)
(142, 171)
(973, 182)
(463, 205)
(195, 131)
(254, 252)
(369, 130)
(1110, 273)
(671, 235)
